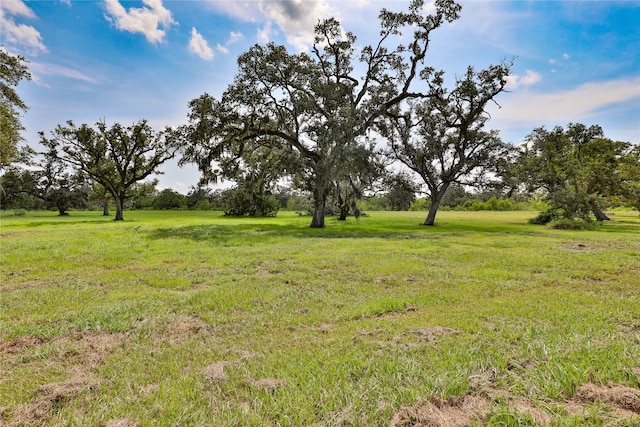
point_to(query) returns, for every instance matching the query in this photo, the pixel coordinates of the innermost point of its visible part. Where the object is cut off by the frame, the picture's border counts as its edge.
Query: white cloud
(146, 20)
(296, 19)
(19, 34)
(16, 8)
(234, 37)
(580, 103)
(199, 46)
(515, 81)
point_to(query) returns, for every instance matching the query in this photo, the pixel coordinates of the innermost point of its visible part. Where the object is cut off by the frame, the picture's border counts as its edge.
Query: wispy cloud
(222, 49)
(234, 37)
(39, 69)
(147, 20)
(199, 46)
(19, 34)
(580, 103)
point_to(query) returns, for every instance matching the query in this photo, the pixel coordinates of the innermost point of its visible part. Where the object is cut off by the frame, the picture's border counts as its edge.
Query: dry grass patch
(453, 412)
(49, 398)
(622, 399)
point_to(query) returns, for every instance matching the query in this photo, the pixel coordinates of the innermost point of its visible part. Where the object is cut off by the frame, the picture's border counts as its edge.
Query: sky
(124, 61)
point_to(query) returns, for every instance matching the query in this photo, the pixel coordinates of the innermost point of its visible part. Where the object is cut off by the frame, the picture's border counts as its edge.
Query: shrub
(572, 224)
(546, 217)
(419, 205)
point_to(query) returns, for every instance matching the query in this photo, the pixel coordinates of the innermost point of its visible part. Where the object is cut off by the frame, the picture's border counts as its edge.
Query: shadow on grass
(243, 233)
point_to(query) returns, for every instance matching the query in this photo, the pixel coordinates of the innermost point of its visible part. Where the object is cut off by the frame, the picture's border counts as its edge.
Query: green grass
(192, 318)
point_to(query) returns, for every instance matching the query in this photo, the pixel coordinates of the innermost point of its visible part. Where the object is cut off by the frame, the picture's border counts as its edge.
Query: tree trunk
(436, 198)
(600, 216)
(119, 205)
(344, 212)
(433, 210)
(105, 207)
(62, 212)
(318, 218)
(319, 203)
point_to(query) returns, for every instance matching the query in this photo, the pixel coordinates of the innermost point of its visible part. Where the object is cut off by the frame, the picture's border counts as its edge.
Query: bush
(19, 212)
(572, 224)
(419, 205)
(239, 202)
(546, 217)
(202, 205)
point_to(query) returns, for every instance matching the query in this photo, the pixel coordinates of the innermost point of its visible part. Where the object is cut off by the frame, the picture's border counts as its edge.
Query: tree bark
(318, 218)
(119, 207)
(436, 198)
(344, 212)
(600, 216)
(433, 210)
(105, 207)
(319, 203)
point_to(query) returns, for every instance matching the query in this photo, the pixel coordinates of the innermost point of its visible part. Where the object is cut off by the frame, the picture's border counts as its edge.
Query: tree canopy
(117, 157)
(13, 69)
(320, 107)
(577, 168)
(442, 138)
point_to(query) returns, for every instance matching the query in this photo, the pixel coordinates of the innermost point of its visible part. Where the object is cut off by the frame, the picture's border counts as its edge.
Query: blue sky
(122, 61)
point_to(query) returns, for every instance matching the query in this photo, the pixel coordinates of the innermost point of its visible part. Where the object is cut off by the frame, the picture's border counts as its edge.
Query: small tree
(169, 199)
(116, 157)
(401, 191)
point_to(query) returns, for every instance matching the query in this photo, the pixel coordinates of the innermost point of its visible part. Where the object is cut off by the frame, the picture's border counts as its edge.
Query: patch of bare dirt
(269, 384)
(49, 399)
(122, 422)
(215, 371)
(621, 397)
(81, 352)
(579, 247)
(464, 410)
(431, 335)
(453, 412)
(183, 328)
(20, 344)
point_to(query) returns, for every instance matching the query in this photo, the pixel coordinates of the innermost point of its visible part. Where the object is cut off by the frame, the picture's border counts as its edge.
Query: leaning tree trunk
(433, 210)
(600, 216)
(436, 197)
(105, 207)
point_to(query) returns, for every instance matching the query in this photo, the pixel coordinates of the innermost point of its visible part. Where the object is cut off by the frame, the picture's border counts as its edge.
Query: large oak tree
(320, 106)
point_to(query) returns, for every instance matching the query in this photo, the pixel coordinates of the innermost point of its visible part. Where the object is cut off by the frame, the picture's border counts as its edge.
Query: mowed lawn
(195, 319)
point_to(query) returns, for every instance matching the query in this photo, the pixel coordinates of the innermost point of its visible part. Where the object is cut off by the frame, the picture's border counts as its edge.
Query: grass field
(194, 319)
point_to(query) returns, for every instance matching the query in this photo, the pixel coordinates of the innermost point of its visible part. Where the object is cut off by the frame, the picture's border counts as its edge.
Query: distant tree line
(329, 132)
